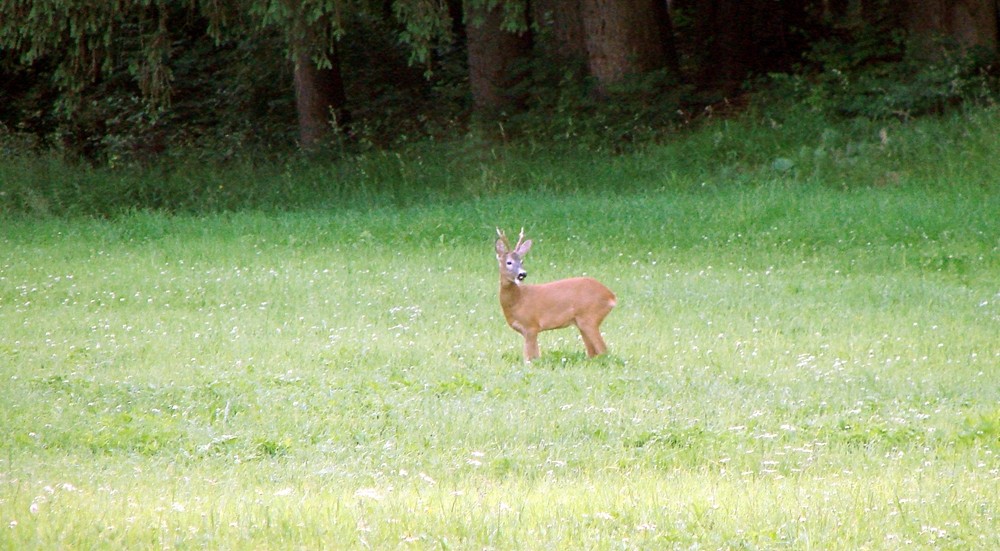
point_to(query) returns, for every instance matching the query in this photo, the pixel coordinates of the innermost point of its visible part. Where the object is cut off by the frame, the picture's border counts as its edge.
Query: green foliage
(166, 86)
(392, 103)
(792, 148)
(426, 26)
(86, 41)
(874, 71)
(127, 83)
(565, 109)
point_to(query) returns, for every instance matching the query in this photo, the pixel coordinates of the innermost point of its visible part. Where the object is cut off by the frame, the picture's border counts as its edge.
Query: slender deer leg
(588, 345)
(599, 346)
(530, 345)
(592, 339)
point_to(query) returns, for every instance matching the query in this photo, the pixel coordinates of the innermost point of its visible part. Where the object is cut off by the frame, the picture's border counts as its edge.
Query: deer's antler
(520, 239)
(506, 244)
(503, 239)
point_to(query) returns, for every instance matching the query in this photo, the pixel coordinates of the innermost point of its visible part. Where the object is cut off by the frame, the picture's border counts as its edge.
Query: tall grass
(791, 148)
(797, 360)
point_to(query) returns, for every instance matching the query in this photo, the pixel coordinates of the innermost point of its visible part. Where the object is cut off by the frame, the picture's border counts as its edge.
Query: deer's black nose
(521, 275)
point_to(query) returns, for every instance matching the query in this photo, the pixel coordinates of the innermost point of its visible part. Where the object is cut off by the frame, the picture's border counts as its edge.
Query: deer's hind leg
(590, 330)
(592, 340)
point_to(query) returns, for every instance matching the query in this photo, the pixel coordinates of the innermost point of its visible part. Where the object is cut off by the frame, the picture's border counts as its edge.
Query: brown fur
(531, 309)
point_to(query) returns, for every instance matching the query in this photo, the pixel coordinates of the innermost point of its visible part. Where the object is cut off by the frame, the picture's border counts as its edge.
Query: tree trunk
(626, 37)
(730, 52)
(968, 22)
(665, 26)
(738, 38)
(492, 54)
(561, 24)
(319, 98)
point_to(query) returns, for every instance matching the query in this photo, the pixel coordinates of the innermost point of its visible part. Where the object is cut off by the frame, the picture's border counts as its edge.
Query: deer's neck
(510, 294)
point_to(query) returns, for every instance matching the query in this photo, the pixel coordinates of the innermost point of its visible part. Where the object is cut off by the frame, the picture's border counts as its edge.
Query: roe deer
(529, 309)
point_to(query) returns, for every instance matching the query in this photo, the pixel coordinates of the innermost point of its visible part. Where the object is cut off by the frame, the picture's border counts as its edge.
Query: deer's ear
(501, 249)
(524, 248)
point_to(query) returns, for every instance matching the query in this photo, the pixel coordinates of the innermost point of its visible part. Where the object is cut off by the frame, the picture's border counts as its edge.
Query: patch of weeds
(457, 385)
(269, 448)
(983, 428)
(874, 435)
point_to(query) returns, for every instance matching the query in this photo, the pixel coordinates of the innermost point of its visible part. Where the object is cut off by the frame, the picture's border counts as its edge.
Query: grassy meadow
(805, 355)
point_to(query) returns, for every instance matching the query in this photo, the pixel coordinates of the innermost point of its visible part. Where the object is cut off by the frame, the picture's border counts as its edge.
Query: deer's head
(510, 259)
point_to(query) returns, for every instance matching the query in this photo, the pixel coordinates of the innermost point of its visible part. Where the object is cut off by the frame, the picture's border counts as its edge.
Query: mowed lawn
(800, 368)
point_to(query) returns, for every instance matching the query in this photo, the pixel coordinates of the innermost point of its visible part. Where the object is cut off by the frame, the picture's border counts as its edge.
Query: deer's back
(580, 292)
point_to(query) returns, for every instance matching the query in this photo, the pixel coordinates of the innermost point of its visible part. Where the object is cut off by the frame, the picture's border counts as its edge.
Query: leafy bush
(876, 73)
(565, 107)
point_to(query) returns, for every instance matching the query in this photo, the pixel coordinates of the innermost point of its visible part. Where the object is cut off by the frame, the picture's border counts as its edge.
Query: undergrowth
(794, 147)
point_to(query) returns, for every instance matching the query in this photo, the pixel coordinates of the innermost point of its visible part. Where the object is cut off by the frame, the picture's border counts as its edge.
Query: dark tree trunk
(319, 99)
(661, 16)
(493, 55)
(730, 53)
(738, 38)
(561, 23)
(966, 22)
(626, 37)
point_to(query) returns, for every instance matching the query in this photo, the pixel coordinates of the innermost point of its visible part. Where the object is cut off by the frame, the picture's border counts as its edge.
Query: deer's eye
(509, 263)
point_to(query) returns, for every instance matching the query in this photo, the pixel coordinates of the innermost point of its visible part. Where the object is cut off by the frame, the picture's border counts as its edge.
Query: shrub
(877, 74)
(565, 107)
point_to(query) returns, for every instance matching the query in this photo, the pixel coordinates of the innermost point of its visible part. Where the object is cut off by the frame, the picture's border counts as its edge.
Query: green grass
(782, 148)
(795, 363)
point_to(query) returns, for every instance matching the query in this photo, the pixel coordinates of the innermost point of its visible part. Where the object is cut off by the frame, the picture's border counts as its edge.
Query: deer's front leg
(530, 345)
